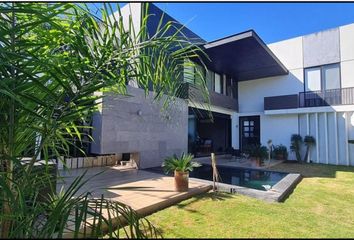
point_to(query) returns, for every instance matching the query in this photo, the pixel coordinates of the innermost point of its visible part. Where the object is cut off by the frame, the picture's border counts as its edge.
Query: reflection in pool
(250, 178)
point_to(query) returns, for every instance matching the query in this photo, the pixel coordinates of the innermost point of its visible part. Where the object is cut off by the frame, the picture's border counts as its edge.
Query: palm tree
(54, 57)
(296, 142)
(309, 143)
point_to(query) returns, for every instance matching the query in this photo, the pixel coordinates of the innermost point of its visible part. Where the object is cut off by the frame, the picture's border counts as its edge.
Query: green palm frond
(184, 163)
(54, 58)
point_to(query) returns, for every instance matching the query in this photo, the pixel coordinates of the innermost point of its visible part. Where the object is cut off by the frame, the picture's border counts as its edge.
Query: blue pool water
(250, 178)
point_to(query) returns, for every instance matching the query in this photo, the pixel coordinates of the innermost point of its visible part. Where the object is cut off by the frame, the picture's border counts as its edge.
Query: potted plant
(280, 152)
(257, 153)
(181, 166)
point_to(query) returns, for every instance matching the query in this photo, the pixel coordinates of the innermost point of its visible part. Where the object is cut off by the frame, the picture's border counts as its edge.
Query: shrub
(257, 151)
(280, 152)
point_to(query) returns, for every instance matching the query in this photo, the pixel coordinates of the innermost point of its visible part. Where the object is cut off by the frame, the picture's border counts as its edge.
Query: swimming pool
(250, 178)
(267, 185)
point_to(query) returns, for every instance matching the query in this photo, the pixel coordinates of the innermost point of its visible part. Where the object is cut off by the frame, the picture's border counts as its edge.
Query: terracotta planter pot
(257, 161)
(181, 181)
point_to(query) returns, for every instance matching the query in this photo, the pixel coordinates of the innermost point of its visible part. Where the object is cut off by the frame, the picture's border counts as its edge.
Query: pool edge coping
(279, 192)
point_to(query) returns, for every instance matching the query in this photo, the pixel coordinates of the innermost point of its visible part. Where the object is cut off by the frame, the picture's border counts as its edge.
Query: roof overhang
(244, 56)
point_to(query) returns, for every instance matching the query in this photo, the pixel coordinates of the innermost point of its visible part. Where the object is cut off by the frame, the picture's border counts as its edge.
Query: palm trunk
(216, 177)
(307, 155)
(6, 224)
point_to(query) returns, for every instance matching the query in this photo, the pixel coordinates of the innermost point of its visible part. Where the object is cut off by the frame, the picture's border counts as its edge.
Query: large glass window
(313, 79)
(217, 83)
(322, 78)
(331, 77)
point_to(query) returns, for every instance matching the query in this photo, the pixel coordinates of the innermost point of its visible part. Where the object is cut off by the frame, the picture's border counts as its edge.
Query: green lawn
(322, 205)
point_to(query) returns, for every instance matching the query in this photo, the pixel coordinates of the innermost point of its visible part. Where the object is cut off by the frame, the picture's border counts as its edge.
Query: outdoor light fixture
(139, 112)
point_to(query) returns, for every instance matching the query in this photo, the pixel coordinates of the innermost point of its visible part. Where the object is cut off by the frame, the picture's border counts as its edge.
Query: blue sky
(272, 21)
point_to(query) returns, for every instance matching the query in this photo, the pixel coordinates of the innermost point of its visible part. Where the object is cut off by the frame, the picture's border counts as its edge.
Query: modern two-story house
(258, 92)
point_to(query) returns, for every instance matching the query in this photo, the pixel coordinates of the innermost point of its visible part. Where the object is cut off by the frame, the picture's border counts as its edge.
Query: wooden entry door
(249, 131)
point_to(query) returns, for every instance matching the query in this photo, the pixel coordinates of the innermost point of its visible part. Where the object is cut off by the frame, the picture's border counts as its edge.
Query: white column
(336, 137)
(346, 118)
(235, 131)
(317, 137)
(307, 124)
(308, 133)
(326, 137)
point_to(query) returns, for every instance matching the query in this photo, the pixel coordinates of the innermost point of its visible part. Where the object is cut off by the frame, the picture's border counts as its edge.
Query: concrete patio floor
(145, 192)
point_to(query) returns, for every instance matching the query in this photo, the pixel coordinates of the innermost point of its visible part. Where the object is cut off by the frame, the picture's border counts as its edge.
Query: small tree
(296, 142)
(309, 143)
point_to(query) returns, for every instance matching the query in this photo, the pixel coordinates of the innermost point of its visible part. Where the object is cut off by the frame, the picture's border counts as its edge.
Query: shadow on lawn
(215, 196)
(310, 170)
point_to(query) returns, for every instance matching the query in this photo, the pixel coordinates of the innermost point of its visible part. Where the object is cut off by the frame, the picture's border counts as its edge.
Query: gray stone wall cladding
(136, 123)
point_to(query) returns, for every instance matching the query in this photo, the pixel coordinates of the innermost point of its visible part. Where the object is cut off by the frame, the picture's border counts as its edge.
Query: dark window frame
(322, 76)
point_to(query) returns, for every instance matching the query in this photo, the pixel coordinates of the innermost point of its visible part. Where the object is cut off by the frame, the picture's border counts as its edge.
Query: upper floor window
(210, 79)
(218, 83)
(322, 78)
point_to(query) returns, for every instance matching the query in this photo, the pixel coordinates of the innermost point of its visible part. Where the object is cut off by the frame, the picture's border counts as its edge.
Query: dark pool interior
(250, 178)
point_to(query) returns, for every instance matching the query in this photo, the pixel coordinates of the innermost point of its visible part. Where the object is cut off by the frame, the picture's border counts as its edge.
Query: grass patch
(321, 206)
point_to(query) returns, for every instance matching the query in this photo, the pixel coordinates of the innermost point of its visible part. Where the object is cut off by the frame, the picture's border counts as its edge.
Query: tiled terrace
(144, 191)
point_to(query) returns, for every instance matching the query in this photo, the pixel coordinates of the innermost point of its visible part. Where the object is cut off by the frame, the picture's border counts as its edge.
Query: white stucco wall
(289, 52)
(321, 48)
(293, 53)
(251, 93)
(347, 55)
(346, 42)
(331, 129)
(130, 12)
(279, 129)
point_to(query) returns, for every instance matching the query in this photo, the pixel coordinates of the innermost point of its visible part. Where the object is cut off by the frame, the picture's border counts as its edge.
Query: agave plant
(184, 163)
(54, 57)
